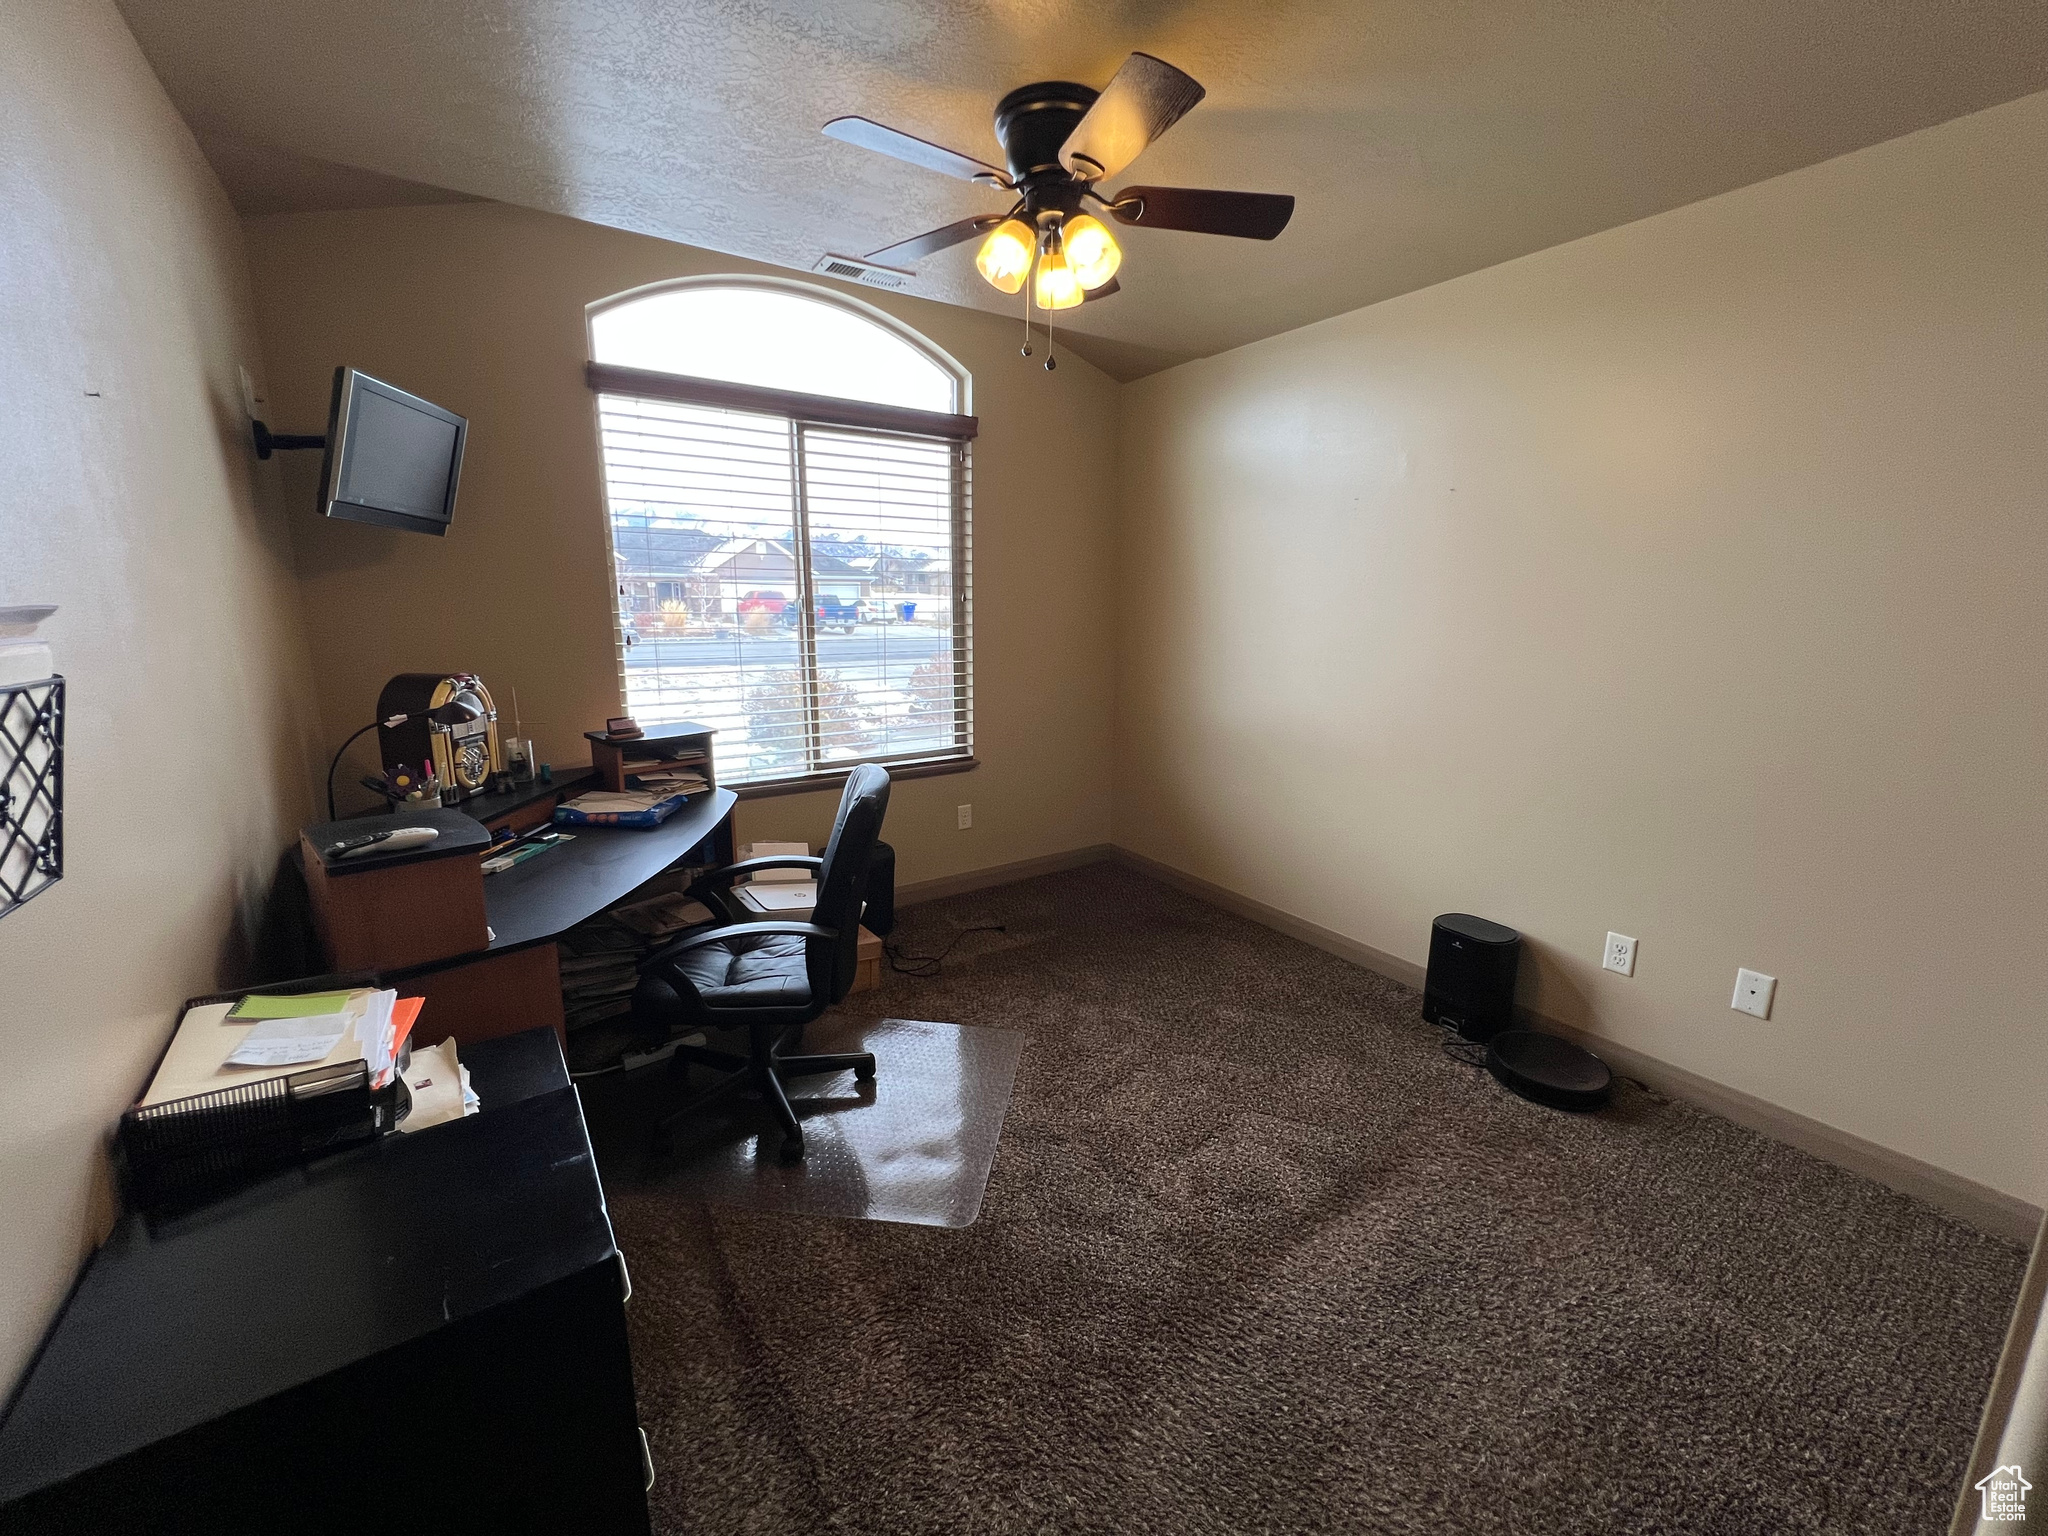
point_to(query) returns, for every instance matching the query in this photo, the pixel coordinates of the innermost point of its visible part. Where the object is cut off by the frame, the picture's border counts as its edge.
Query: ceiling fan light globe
(1005, 256)
(1055, 286)
(1090, 251)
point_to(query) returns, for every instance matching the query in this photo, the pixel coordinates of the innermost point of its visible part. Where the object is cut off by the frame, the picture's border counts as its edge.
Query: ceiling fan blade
(1248, 215)
(904, 252)
(1112, 286)
(903, 146)
(1144, 99)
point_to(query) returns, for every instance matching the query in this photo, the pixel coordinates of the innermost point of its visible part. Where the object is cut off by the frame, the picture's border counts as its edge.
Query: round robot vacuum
(1548, 1070)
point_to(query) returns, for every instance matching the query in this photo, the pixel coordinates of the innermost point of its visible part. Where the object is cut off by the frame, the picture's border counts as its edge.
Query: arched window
(786, 477)
(776, 336)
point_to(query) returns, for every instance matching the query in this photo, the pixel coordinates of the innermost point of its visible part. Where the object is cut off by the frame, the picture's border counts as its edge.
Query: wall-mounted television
(392, 458)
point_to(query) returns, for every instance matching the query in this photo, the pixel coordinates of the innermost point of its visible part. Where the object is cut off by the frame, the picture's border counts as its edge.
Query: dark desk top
(523, 792)
(460, 834)
(526, 791)
(314, 1269)
(545, 896)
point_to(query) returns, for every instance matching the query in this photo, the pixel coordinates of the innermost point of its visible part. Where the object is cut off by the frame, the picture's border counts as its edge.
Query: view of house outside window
(726, 523)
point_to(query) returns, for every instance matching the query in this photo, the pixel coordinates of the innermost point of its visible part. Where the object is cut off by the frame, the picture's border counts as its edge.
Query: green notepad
(300, 1005)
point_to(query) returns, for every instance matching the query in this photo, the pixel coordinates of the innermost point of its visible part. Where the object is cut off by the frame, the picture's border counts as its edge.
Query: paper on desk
(288, 1042)
(439, 1085)
(604, 800)
(379, 1033)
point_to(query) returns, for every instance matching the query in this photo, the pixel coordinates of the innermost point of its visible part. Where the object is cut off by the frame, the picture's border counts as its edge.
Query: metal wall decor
(31, 789)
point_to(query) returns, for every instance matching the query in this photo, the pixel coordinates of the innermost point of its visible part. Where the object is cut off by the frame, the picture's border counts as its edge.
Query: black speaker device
(1471, 981)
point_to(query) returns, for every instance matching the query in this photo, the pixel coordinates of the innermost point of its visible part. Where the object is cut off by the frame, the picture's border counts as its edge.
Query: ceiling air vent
(854, 270)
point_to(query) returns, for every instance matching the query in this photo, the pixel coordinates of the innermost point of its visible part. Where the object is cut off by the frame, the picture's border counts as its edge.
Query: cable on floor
(1470, 1052)
(928, 965)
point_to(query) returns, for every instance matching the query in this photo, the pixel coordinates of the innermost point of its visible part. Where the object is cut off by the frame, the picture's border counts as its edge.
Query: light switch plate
(1753, 991)
(1621, 954)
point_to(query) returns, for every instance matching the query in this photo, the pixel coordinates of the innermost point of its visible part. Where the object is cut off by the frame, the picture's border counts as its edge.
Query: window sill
(928, 768)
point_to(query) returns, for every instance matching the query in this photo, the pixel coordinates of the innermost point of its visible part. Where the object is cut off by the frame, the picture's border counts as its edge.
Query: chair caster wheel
(792, 1149)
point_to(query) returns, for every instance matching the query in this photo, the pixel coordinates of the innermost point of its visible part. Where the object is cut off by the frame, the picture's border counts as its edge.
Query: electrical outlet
(966, 817)
(1621, 954)
(1753, 991)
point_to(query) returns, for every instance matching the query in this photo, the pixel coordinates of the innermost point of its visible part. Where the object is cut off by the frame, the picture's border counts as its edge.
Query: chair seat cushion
(749, 973)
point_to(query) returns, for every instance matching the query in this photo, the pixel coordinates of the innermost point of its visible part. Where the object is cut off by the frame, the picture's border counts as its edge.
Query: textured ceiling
(1423, 138)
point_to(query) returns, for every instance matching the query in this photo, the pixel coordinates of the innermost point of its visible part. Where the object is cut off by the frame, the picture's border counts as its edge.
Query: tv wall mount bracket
(269, 442)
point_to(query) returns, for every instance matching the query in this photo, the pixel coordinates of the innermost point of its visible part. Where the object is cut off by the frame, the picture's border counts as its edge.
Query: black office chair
(769, 978)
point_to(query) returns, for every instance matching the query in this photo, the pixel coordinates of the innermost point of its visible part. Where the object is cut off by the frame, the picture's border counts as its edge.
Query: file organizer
(178, 1152)
(185, 1150)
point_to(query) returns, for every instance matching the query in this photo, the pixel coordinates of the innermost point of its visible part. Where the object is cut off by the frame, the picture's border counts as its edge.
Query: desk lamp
(457, 711)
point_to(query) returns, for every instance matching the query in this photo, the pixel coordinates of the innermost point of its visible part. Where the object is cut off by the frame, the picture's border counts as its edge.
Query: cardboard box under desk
(867, 971)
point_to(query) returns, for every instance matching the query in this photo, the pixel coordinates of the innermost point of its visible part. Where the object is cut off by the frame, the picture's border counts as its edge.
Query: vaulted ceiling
(1422, 138)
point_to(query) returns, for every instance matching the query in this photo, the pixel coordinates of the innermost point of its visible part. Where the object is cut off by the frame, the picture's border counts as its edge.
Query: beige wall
(1686, 581)
(126, 498)
(480, 307)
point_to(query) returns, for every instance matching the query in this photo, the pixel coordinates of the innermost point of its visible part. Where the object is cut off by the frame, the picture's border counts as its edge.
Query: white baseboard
(1987, 1209)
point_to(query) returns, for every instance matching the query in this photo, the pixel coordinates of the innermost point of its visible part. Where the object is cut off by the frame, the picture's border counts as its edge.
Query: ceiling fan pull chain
(1051, 362)
(1027, 314)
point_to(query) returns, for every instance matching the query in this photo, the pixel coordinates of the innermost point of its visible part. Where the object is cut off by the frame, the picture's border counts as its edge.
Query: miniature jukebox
(465, 753)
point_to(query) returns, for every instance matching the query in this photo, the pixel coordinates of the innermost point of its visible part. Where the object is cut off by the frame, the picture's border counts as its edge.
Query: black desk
(548, 895)
(448, 1302)
(515, 983)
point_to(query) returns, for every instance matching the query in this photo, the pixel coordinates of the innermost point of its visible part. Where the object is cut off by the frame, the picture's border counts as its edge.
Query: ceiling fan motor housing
(1032, 123)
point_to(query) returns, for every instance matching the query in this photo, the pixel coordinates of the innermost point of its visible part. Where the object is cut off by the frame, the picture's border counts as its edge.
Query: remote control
(396, 840)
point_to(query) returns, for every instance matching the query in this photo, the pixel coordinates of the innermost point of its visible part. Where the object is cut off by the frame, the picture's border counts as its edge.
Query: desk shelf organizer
(687, 745)
(31, 789)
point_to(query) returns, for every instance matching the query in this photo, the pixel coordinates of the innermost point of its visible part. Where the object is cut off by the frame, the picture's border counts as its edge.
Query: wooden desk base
(496, 995)
(387, 917)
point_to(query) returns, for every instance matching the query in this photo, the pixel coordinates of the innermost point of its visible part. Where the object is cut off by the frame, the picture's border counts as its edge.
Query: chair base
(763, 1070)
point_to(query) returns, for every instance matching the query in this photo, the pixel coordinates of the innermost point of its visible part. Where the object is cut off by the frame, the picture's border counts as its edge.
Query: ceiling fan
(1059, 139)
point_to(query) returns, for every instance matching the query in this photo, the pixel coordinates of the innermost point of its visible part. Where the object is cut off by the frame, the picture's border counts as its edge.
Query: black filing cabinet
(424, 1334)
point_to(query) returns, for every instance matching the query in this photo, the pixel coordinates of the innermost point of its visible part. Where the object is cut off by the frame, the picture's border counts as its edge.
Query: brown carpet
(1255, 1257)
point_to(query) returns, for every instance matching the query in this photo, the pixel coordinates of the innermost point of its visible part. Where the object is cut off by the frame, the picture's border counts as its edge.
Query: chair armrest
(739, 931)
(717, 879)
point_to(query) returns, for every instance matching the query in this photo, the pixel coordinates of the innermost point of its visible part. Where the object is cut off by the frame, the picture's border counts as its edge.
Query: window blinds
(800, 586)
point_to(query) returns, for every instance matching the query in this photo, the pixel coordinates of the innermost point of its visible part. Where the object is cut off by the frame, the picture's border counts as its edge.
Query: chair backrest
(842, 883)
